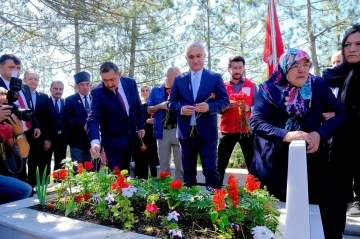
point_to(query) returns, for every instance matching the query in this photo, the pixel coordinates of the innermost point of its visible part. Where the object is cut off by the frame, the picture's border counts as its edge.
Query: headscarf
(278, 90)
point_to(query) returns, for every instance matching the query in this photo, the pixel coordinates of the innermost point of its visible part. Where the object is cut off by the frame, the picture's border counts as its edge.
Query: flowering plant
(167, 113)
(164, 207)
(197, 115)
(240, 98)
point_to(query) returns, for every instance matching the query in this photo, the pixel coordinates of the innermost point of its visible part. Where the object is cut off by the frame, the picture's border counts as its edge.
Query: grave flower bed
(162, 207)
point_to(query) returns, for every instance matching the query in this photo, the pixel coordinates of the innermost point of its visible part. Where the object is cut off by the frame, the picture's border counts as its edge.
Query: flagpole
(273, 33)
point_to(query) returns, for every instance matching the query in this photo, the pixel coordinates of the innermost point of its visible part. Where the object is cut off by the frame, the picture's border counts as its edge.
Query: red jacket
(231, 118)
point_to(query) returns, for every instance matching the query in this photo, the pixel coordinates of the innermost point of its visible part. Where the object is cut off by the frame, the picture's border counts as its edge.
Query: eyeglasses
(297, 66)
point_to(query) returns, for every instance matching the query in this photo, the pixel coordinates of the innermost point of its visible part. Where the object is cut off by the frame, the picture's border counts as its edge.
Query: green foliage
(41, 186)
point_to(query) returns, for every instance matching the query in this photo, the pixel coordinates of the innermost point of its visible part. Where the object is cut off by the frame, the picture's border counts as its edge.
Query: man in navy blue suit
(197, 115)
(76, 111)
(117, 111)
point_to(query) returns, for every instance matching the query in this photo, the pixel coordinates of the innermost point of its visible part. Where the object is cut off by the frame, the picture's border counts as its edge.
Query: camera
(13, 95)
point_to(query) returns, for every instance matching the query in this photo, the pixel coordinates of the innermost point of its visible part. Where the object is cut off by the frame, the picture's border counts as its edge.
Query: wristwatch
(20, 136)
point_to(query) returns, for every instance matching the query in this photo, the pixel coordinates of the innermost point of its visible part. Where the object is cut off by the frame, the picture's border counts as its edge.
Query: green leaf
(221, 226)
(70, 206)
(214, 216)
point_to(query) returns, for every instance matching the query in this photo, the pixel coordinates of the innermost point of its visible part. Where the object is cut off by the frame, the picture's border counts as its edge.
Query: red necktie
(120, 99)
(22, 105)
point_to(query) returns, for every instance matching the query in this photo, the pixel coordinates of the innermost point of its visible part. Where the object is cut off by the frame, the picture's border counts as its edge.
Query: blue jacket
(181, 95)
(157, 96)
(108, 115)
(267, 121)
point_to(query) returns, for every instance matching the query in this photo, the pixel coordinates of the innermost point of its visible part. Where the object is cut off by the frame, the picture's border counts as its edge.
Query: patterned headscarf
(280, 92)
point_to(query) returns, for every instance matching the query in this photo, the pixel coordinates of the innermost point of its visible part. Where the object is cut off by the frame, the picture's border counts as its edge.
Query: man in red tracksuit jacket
(234, 124)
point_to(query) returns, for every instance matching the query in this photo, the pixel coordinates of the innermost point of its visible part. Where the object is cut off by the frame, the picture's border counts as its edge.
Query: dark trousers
(226, 146)
(145, 160)
(118, 151)
(58, 147)
(193, 146)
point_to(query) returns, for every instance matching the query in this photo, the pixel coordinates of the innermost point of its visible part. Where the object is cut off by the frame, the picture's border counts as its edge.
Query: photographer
(11, 134)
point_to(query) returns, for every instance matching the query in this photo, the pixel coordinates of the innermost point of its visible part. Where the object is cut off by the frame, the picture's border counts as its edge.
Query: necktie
(33, 97)
(195, 82)
(57, 107)
(120, 99)
(86, 104)
(22, 105)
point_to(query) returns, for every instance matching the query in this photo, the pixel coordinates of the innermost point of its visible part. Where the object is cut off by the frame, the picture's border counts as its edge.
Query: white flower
(173, 215)
(262, 232)
(96, 198)
(110, 198)
(129, 191)
(176, 233)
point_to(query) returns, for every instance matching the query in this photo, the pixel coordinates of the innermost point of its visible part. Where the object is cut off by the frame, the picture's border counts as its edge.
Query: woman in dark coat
(289, 107)
(344, 155)
(146, 158)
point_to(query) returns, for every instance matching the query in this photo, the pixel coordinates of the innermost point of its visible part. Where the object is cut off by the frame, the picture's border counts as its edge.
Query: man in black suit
(116, 109)
(58, 129)
(8, 64)
(38, 146)
(76, 110)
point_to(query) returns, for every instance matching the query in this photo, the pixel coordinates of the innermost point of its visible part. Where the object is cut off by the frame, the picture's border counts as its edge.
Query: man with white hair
(197, 96)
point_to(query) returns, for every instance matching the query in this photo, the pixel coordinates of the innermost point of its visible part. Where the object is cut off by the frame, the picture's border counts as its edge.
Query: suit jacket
(75, 117)
(181, 95)
(270, 161)
(26, 91)
(56, 121)
(109, 115)
(42, 115)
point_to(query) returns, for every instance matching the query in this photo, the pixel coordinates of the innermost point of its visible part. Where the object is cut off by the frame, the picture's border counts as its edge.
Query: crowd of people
(179, 118)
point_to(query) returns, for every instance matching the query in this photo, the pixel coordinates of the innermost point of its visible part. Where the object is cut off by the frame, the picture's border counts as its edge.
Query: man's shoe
(210, 189)
(354, 210)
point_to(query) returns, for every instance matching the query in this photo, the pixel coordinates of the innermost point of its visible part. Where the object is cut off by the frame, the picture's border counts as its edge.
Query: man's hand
(15, 124)
(242, 106)
(37, 133)
(328, 115)
(95, 151)
(150, 121)
(188, 110)
(315, 142)
(202, 107)
(47, 144)
(141, 133)
(5, 112)
(233, 104)
(163, 105)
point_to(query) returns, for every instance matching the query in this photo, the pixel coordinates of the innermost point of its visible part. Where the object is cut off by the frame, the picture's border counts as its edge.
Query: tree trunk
(77, 45)
(312, 39)
(208, 43)
(132, 48)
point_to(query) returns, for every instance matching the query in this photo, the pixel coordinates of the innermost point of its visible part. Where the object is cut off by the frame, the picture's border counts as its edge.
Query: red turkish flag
(273, 47)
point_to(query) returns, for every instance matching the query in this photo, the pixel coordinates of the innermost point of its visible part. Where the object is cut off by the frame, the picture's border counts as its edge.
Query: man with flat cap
(76, 111)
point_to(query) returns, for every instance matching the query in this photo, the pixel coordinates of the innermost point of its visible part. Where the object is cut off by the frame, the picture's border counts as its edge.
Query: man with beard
(233, 123)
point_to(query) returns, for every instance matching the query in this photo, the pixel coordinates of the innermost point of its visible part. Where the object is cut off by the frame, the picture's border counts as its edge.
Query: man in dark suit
(58, 129)
(38, 146)
(8, 64)
(197, 115)
(116, 109)
(76, 111)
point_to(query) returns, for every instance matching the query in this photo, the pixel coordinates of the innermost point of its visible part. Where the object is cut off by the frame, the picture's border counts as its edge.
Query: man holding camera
(10, 66)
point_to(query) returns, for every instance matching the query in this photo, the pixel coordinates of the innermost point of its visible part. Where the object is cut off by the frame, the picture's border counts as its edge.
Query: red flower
(80, 168)
(152, 208)
(86, 196)
(89, 166)
(176, 184)
(252, 183)
(219, 199)
(164, 174)
(233, 190)
(78, 198)
(143, 148)
(62, 174)
(168, 91)
(212, 95)
(116, 170)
